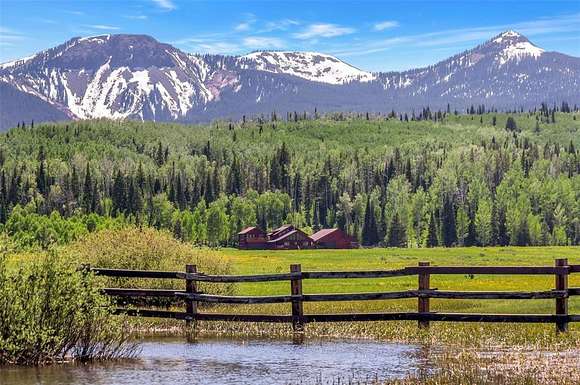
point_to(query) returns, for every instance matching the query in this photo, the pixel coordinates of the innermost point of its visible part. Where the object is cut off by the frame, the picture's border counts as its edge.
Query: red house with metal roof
(252, 238)
(289, 237)
(333, 239)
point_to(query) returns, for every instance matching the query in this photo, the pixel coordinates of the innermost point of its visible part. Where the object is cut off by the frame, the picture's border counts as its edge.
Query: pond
(225, 362)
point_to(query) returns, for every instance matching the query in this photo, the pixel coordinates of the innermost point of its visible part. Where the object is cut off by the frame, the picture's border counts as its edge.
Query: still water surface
(225, 362)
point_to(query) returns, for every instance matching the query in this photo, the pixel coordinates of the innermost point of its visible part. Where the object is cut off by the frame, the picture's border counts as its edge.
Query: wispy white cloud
(244, 26)
(137, 17)
(387, 24)
(103, 27)
(44, 20)
(262, 42)
(165, 4)
(279, 25)
(207, 45)
(76, 13)
(9, 36)
(453, 37)
(323, 30)
(218, 47)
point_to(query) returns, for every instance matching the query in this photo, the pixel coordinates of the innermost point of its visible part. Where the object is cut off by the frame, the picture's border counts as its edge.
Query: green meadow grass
(525, 337)
(266, 261)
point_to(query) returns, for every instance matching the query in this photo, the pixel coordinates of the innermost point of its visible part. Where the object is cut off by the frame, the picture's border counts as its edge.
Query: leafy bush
(50, 311)
(147, 249)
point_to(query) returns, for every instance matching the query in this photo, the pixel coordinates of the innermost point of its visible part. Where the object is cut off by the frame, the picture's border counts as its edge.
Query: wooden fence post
(562, 303)
(297, 305)
(423, 302)
(190, 304)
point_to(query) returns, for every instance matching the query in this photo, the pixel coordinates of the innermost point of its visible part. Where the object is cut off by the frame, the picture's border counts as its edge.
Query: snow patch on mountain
(519, 51)
(98, 39)
(514, 47)
(510, 34)
(311, 66)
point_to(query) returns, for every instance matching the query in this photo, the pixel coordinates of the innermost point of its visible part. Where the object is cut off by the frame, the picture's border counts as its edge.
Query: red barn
(289, 237)
(277, 233)
(252, 238)
(333, 239)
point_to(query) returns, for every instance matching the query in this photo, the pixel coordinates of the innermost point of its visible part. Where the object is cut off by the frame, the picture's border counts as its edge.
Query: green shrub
(50, 311)
(147, 249)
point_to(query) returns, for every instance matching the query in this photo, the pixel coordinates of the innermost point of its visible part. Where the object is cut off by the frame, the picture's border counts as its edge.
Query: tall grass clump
(51, 312)
(147, 249)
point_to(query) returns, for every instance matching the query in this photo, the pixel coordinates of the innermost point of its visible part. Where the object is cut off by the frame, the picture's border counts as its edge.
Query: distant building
(252, 238)
(277, 233)
(289, 237)
(333, 239)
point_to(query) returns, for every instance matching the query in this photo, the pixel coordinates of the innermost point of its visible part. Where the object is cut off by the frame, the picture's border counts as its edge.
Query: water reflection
(220, 362)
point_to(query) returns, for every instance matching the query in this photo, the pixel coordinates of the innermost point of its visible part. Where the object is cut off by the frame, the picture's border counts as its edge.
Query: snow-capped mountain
(312, 66)
(137, 77)
(118, 76)
(507, 71)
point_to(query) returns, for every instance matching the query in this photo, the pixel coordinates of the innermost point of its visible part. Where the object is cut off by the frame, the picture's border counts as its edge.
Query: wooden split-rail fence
(191, 296)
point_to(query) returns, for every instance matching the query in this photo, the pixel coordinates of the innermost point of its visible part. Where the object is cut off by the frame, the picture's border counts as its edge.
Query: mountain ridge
(137, 77)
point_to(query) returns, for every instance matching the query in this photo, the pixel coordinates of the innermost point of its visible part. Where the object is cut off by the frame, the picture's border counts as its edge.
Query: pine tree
(119, 196)
(180, 193)
(432, 235)
(3, 198)
(397, 234)
(502, 235)
(449, 230)
(511, 125)
(523, 234)
(235, 178)
(297, 194)
(75, 184)
(137, 203)
(140, 179)
(159, 155)
(41, 179)
(369, 232)
(209, 190)
(88, 191)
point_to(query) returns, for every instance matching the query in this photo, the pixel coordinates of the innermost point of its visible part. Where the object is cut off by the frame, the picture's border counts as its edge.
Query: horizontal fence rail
(192, 297)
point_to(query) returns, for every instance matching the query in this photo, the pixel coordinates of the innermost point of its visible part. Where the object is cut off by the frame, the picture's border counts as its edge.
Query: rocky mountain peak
(509, 46)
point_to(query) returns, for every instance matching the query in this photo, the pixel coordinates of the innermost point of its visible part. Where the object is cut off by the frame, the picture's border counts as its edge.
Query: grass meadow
(267, 261)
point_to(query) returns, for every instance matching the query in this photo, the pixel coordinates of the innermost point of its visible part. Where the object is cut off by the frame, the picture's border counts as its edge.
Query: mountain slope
(18, 106)
(507, 71)
(119, 76)
(137, 77)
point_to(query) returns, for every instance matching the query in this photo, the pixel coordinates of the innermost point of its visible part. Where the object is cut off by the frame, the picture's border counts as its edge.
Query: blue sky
(372, 35)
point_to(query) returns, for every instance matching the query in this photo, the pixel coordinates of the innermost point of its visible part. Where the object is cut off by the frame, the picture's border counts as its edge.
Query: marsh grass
(52, 312)
(466, 367)
(514, 368)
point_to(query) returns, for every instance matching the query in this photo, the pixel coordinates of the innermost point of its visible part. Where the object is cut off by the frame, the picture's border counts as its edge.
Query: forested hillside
(435, 179)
